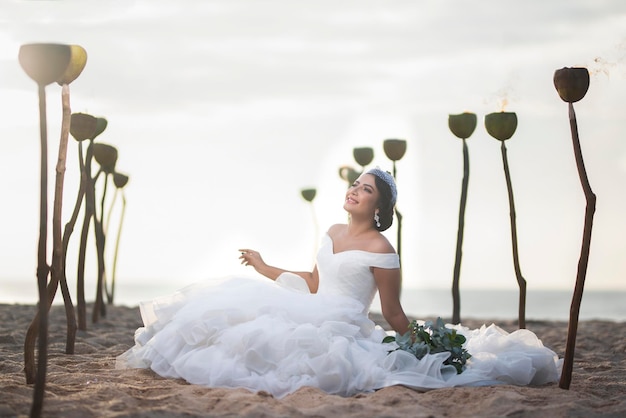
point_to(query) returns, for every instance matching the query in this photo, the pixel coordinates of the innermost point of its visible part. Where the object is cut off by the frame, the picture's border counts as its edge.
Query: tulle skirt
(259, 335)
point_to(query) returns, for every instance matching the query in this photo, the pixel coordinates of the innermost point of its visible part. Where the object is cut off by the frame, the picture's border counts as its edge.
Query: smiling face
(362, 197)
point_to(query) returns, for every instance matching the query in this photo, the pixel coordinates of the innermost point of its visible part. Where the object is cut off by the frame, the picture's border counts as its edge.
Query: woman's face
(362, 196)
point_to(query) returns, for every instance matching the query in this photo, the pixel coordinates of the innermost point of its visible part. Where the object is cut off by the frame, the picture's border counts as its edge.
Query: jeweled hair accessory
(387, 178)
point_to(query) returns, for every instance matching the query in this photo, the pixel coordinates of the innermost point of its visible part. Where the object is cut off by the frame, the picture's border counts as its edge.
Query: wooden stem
(399, 233)
(58, 252)
(117, 246)
(518, 271)
(99, 308)
(109, 290)
(42, 270)
(313, 217)
(67, 233)
(101, 256)
(89, 209)
(110, 211)
(568, 361)
(456, 297)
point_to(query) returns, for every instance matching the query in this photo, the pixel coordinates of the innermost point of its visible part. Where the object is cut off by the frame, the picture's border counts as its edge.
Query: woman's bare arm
(388, 282)
(253, 258)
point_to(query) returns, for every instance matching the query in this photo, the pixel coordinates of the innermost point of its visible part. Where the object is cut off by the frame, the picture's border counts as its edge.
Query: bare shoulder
(380, 244)
(335, 229)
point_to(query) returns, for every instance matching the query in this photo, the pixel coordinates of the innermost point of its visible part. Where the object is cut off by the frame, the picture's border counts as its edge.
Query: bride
(312, 328)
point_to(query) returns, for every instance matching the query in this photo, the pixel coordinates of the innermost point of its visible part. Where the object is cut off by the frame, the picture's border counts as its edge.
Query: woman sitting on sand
(312, 328)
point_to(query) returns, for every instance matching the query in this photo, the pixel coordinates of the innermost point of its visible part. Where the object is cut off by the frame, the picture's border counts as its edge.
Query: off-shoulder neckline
(332, 248)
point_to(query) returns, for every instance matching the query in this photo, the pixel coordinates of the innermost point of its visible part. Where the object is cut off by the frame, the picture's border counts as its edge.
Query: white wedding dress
(277, 337)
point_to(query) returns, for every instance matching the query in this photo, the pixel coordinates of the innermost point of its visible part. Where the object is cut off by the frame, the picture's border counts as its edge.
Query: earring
(377, 220)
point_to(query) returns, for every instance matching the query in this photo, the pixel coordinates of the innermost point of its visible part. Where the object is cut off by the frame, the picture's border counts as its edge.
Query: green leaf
(429, 338)
(389, 339)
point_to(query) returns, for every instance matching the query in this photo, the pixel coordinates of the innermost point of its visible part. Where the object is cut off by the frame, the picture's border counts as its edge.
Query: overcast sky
(222, 111)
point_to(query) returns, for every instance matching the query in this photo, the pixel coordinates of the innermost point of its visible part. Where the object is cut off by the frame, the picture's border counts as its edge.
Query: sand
(86, 383)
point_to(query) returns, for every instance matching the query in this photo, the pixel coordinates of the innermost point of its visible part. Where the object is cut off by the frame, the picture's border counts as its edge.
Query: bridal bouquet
(432, 338)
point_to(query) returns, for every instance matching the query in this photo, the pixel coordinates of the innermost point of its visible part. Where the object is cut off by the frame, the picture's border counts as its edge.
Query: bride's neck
(358, 228)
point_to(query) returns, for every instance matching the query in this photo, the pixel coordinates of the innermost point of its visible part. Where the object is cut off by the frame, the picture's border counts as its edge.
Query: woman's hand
(251, 258)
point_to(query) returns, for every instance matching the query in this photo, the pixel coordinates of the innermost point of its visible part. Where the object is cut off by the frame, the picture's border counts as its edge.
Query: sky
(222, 111)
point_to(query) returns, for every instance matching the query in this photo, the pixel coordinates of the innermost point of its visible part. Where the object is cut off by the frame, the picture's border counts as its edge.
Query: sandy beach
(86, 383)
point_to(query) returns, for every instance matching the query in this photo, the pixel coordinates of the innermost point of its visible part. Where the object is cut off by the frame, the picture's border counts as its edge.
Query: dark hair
(385, 205)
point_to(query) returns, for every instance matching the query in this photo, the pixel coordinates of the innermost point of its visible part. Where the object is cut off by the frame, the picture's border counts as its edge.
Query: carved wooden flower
(462, 125)
(501, 125)
(571, 83)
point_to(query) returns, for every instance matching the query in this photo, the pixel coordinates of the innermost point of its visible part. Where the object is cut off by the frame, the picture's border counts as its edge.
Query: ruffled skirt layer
(256, 334)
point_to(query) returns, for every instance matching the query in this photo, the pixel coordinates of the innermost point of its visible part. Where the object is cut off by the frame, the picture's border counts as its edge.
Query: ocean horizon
(489, 304)
(503, 304)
